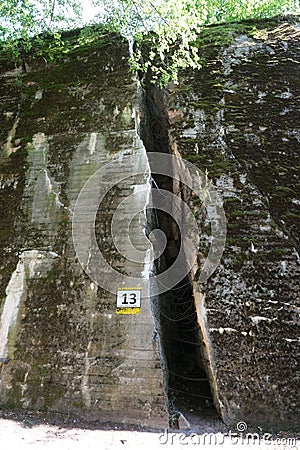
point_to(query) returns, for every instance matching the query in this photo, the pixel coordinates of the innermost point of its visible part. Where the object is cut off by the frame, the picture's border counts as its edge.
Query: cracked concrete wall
(238, 119)
(64, 349)
(62, 346)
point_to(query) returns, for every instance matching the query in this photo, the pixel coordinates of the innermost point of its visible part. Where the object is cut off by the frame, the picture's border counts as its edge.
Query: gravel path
(20, 435)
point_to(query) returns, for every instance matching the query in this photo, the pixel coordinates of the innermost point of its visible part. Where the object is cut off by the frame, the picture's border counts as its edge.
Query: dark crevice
(186, 376)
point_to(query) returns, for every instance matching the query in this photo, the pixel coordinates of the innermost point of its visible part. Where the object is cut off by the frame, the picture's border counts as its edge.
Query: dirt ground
(23, 434)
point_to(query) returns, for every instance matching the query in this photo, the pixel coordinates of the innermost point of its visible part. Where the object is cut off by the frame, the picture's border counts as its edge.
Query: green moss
(230, 200)
(222, 35)
(238, 260)
(78, 405)
(284, 190)
(240, 213)
(196, 201)
(206, 105)
(291, 216)
(280, 251)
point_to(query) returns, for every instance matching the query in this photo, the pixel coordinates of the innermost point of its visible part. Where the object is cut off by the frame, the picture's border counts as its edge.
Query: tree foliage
(170, 27)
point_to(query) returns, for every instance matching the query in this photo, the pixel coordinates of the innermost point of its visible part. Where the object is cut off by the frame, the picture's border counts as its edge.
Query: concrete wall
(237, 120)
(63, 347)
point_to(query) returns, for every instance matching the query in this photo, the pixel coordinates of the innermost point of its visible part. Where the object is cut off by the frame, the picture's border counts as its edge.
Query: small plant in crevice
(173, 420)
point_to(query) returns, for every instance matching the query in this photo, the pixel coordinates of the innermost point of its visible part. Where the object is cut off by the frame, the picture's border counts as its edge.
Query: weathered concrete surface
(63, 348)
(238, 119)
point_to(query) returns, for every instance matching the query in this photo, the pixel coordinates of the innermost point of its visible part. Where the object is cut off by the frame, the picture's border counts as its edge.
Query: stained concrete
(63, 346)
(237, 120)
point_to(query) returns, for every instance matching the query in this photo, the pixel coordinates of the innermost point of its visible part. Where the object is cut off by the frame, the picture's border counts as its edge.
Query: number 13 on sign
(129, 298)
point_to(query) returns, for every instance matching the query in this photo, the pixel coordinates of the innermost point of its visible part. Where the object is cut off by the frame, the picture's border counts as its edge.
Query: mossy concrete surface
(238, 121)
(64, 348)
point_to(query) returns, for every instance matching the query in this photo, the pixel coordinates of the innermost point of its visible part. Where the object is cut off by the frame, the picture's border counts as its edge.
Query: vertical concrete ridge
(207, 348)
(31, 264)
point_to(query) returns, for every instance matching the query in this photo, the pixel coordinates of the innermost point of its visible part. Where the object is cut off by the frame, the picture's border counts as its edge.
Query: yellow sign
(128, 310)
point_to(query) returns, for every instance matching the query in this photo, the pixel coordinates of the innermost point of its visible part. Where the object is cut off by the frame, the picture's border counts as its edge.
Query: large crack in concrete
(190, 383)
